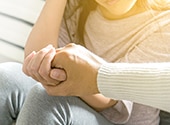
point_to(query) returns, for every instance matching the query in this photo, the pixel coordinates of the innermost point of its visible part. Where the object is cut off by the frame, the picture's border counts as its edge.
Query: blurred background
(16, 20)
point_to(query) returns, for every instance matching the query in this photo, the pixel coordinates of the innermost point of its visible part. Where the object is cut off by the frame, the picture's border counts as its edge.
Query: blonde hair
(159, 5)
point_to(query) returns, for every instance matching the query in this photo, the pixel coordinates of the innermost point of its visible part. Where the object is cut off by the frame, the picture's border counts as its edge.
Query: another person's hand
(38, 66)
(81, 67)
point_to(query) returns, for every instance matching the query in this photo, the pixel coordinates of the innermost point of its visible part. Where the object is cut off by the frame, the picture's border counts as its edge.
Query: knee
(10, 73)
(37, 94)
(9, 70)
(38, 90)
(12, 77)
(39, 98)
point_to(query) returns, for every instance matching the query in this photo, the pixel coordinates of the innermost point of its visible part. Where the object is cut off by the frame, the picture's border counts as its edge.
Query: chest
(111, 39)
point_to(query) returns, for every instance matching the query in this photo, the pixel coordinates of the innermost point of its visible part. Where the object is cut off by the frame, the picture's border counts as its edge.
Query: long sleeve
(145, 83)
(120, 113)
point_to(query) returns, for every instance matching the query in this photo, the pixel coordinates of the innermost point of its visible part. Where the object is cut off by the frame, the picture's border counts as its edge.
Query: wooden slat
(23, 9)
(11, 52)
(13, 30)
(16, 20)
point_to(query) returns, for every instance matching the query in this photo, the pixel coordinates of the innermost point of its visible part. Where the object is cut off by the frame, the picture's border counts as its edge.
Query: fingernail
(54, 74)
(58, 74)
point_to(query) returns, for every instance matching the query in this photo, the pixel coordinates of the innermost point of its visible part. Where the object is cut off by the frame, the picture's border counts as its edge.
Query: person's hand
(81, 67)
(38, 66)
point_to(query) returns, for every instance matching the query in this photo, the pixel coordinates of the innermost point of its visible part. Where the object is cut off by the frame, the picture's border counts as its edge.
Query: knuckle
(47, 58)
(70, 45)
(65, 55)
(42, 51)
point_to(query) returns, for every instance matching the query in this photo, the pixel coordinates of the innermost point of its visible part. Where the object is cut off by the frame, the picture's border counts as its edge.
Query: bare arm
(46, 29)
(98, 101)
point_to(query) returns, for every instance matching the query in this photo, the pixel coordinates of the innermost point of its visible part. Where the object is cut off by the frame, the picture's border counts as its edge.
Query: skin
(48, 66)
(86, 89)
(118, 9)
(45, 31)
(46, 28)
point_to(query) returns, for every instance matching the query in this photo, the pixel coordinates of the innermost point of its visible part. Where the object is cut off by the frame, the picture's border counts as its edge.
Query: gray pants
(39, 108)
(14, 86)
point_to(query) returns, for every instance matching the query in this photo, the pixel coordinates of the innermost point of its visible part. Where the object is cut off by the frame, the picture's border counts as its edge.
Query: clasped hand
(68, 71)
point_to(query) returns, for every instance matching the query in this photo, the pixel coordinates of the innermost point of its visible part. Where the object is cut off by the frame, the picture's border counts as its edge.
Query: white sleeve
(145, 83)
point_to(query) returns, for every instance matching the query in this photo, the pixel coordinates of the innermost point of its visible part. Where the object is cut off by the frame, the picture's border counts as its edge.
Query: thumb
(58, 74)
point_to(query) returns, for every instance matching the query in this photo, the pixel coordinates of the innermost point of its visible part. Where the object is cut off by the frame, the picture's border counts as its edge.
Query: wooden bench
(16, 20)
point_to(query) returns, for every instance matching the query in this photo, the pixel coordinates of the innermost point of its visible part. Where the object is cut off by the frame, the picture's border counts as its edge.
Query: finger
(45, 67)
(58, 49)
(58, 59)
(58, 74)
(27, 61)
(70, 45)
(26, 65)
(35, 62)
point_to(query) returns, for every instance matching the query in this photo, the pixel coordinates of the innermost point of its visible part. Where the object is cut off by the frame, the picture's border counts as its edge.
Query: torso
(114, 40)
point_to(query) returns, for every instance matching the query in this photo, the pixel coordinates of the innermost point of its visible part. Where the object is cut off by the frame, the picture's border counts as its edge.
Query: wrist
(99, 102)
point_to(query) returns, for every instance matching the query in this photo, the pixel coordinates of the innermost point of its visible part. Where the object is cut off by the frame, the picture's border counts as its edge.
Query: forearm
(148, 84)
(46, 28)
(99, 102)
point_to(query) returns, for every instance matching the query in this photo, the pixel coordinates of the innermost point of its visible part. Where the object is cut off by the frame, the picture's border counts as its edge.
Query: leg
(42, 109)
(14, 86)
